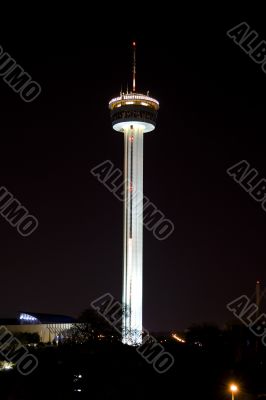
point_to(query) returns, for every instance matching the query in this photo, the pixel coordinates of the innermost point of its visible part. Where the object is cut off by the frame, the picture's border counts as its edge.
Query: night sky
(212, 115)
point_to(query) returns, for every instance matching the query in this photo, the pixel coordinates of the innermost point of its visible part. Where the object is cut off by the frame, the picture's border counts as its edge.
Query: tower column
(133, 232)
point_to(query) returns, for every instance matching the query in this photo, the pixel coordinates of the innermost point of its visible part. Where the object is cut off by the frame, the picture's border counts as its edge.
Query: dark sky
(212, 115)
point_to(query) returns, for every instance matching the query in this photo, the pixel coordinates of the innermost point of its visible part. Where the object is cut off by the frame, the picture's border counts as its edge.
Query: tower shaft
(258, 297)
(133, 232)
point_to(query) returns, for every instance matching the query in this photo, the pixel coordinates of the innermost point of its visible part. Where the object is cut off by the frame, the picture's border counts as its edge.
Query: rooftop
(37, 318)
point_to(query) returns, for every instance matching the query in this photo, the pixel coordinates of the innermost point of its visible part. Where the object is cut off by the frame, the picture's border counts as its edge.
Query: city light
(178, 339)
(27, 317)
(233, 389)
(6, 365)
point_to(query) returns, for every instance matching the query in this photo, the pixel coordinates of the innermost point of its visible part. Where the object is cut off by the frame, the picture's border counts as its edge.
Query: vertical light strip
(133, 230)
(124, 296)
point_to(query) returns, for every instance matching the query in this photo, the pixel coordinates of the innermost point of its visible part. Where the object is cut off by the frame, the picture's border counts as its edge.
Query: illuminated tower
(258, 298)
(133, 114)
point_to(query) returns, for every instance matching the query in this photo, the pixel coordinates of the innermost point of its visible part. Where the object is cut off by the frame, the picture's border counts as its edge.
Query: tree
(205, 335)
(27, 337)
(92, 326)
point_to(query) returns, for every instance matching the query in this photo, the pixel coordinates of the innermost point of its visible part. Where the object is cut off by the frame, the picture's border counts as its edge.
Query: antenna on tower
(134, 66)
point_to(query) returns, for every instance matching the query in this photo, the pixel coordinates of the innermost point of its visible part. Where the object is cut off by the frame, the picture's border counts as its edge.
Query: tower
(258, 298)
(133, 114)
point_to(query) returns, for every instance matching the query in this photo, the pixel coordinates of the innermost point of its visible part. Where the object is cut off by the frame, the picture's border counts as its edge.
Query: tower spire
(134, 66)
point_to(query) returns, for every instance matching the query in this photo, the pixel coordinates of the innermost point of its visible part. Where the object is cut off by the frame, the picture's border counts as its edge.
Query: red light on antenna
(134, 43)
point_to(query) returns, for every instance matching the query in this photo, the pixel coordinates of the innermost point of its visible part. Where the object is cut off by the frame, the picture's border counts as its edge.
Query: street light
(233, 389)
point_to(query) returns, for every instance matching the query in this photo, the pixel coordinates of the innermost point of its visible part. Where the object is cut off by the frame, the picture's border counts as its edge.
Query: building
(50, 327)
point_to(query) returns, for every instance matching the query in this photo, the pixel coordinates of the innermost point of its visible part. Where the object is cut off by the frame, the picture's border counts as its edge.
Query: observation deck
(133, 109)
